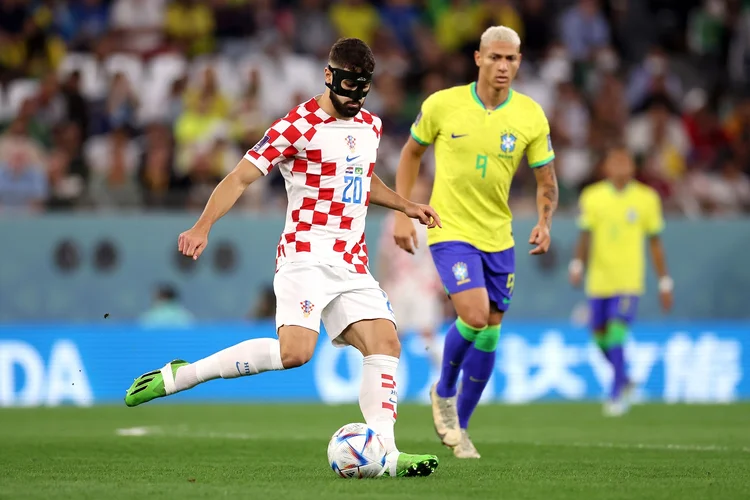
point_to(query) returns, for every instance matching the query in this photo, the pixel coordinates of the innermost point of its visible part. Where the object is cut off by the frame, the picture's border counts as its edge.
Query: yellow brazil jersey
(477, 152)
(619, 223)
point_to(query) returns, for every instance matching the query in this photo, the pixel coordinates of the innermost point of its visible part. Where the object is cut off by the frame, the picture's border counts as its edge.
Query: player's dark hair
(352, 54)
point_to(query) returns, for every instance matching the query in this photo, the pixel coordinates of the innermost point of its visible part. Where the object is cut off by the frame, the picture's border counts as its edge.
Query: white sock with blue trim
(246, 358)
(378, 398)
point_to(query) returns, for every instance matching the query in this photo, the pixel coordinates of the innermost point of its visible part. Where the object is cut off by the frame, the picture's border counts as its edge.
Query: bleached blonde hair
(500, 34)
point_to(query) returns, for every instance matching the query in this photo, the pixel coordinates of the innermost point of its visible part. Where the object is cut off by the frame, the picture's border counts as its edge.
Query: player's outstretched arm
(406, 175)
(546, 204)
(408, 167)
(660, 264)
(382, 195)
(193, 241)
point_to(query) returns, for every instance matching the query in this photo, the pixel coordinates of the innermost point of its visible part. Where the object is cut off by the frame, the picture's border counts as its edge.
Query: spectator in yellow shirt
(458, 24)
(502, 13)
(190, 24)
(355, 19)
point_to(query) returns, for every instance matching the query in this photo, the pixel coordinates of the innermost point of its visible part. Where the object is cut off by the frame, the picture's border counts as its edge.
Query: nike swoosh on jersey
(456, 136)
(352, 158)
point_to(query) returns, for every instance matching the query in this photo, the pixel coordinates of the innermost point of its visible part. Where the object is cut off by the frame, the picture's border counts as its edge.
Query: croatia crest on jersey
(307, 308)
(351, 142)
(461, 273)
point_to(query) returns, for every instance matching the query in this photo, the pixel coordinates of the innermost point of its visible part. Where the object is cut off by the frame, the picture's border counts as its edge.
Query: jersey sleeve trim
(256, 162)
(542, 163)
(657, 230)
(416, 138)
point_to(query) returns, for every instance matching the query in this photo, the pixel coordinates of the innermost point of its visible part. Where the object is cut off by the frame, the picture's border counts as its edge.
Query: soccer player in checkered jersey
(326, 150)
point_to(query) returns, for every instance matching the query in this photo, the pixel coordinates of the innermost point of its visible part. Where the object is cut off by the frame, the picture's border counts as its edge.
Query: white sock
(378, 399)
(246, 358)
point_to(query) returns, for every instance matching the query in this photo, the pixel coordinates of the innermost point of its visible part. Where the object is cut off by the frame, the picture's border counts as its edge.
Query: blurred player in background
(411, 282)
(617, 215)
(326, 150)
(481, 133)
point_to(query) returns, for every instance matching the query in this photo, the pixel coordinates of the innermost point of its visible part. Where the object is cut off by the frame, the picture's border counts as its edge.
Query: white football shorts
(308, 292)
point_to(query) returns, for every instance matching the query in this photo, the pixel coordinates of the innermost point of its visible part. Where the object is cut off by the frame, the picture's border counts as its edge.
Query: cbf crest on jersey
(632, 215)
(307, 308)
(351, 142)
(507, 142)
(461, 273)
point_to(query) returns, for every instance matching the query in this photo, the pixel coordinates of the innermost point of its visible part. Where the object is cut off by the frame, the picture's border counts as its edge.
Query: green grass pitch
(544, 451)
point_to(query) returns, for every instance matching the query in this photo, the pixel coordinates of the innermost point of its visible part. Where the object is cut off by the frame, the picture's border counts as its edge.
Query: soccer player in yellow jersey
(481, 132)
(617, 216)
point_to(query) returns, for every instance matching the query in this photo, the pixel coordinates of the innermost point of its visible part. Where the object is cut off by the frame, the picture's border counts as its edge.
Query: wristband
(666, 284)
(575, 266)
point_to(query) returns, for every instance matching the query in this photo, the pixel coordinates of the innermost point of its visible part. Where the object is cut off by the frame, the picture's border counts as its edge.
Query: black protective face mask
(360, 80)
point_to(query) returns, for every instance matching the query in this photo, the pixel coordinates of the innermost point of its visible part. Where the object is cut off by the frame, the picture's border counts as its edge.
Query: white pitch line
(646, 446)
(182, 431)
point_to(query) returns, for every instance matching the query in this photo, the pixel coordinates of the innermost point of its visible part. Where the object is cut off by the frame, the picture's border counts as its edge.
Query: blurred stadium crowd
(146, 104)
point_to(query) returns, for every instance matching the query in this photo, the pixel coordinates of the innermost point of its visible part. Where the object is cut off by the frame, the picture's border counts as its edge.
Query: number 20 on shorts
(352, 190)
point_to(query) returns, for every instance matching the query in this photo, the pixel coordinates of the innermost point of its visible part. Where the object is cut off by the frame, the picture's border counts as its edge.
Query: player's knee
(295, 353)
(293, 357)
(488, 338)
(476, 318)
(389, 345)
(297, 345)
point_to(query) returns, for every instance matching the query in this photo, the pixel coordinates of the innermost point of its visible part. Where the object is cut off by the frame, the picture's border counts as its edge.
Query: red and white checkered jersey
(327, 166)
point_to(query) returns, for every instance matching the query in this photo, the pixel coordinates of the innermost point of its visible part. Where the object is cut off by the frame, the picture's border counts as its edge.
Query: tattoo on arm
(547, 191)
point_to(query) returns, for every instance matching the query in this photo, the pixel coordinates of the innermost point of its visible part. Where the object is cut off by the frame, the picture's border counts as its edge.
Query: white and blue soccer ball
(356, 451)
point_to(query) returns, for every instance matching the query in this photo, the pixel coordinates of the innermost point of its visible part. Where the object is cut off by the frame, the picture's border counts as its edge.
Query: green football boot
(414, 465)
(151, 385)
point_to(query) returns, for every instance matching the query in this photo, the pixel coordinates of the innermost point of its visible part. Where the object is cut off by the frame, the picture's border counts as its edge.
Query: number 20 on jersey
(352, 190)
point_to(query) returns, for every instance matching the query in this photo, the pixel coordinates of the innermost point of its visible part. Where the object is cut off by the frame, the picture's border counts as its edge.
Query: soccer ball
(356, 451)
